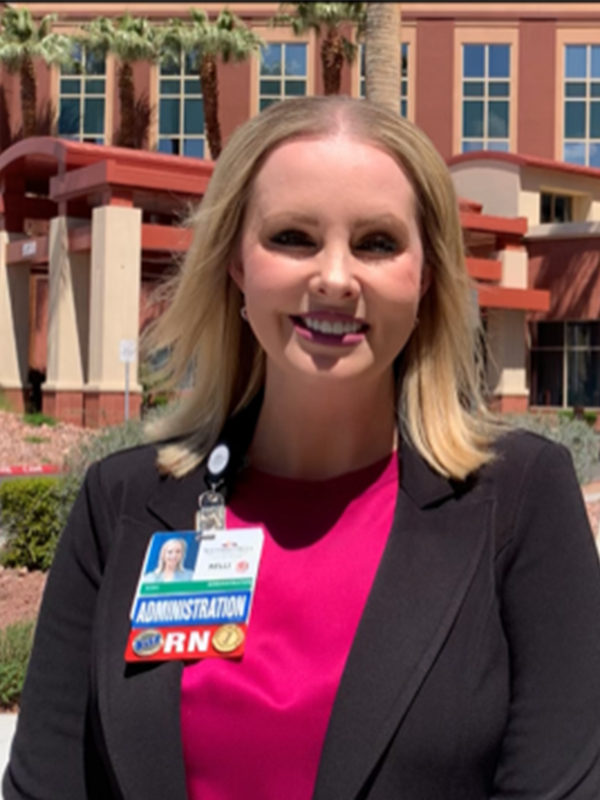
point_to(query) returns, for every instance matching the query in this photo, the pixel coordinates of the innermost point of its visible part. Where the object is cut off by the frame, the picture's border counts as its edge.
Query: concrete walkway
(7, 728)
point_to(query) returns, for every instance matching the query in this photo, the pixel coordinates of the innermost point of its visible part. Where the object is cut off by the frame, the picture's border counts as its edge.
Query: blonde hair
(441, 408)
(162, 563)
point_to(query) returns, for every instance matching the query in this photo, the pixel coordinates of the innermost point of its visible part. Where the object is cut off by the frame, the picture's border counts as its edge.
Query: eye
(378, 244)
(292, 238)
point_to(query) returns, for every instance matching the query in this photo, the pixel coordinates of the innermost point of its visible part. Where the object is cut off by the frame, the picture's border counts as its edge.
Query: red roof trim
(524, 161)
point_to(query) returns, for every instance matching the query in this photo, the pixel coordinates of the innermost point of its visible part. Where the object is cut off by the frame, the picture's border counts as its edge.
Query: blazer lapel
(139, 704)
(436, 542)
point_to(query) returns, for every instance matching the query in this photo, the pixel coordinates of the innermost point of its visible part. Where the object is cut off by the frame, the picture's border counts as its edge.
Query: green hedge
(15, 647)
(30, 519)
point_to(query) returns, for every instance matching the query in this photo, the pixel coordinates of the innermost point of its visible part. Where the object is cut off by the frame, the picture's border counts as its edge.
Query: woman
(170, 566)
(426, 620)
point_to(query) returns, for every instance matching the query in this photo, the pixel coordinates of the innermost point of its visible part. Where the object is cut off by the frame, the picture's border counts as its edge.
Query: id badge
(194, 595)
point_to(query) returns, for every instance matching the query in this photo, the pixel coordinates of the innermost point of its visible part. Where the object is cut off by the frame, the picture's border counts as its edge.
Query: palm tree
(328, 20)
(227, 39)
(131, 39)
(22, 41)
(382, 54)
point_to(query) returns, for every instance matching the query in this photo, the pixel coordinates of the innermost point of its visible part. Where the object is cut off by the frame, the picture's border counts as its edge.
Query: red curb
(36, 469)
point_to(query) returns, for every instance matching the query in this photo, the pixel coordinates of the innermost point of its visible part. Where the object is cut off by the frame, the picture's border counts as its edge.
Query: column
(114, 313)
(68, 315)
(14, 327)
(507, 360)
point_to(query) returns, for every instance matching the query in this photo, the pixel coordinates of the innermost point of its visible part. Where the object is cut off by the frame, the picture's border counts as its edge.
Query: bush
(589, 417)
(15, 648)
(30, 519)
(575, 434)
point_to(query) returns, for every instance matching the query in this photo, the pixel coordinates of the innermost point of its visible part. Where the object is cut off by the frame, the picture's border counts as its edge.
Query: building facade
(509, 93)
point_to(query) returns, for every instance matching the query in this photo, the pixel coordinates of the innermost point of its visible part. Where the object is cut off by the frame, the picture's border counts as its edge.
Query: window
(556, 207)
(180, 108)
(404, 73)
(565, 364)
(82, 98)
(582, 105)
(282, 73)
(485, 97)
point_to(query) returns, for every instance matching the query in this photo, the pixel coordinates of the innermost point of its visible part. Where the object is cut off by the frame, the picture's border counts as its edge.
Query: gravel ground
(28, 445)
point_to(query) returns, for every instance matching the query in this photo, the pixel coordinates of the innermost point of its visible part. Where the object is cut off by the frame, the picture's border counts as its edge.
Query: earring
(244, 313)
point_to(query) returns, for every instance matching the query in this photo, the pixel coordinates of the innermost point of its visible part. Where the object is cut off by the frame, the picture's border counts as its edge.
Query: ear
(236, 272)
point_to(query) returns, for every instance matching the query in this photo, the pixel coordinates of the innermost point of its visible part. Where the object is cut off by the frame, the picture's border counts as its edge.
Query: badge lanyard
(201, 610)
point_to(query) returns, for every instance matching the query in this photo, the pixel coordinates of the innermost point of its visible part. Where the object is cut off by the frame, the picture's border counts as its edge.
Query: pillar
(68, 321)
(114, 313)
(507, 360)
(507, 349)
(14, 327)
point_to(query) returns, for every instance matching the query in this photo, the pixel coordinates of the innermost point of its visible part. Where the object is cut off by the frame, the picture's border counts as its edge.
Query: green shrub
(569, 415)
(575, 434)
(15, 648)
(37, 418)
(30, 521)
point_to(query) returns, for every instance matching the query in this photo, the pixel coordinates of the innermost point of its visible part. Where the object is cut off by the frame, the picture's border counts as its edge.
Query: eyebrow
(291, 217)
(361, 222)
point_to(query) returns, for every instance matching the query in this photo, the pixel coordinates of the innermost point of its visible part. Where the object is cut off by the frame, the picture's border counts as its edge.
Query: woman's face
(173, 555)
(331, 260)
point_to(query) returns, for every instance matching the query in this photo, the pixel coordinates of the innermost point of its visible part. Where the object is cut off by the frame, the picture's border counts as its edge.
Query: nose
(335, 277)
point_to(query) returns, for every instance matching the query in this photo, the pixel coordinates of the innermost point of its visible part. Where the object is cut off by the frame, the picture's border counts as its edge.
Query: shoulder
(522, 454)
(124, 475)
(534, 483)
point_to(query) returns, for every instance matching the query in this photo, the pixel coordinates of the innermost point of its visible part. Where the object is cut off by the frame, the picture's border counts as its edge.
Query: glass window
(555, 208)
(565, 364)
(581, 131)
(486, 75)
(404, 77)
(283, 73)
(82, 100)
(499, 66)
(474, 61)
(181, 125)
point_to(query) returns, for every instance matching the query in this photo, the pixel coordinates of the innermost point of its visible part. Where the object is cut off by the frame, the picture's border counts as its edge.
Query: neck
(315, 432)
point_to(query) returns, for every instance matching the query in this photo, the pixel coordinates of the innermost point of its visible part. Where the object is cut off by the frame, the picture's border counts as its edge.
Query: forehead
(330, 164)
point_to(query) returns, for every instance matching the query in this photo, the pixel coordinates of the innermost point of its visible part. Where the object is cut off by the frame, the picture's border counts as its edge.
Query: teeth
(331, 328)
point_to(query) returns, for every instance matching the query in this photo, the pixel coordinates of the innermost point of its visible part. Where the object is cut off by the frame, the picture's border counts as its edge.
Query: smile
(330, 330)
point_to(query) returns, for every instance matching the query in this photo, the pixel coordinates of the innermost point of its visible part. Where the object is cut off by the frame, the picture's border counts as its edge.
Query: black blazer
(475, 671)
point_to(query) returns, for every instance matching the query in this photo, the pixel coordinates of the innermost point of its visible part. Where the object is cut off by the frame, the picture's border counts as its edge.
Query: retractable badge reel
(211, 504)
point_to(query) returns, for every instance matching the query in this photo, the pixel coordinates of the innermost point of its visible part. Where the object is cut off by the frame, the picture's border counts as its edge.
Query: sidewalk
(7, 729)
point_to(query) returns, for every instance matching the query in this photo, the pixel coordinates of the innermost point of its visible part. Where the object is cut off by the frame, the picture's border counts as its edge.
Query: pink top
(254, 728)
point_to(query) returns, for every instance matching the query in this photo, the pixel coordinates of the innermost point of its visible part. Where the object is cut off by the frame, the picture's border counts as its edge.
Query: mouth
(332, 329)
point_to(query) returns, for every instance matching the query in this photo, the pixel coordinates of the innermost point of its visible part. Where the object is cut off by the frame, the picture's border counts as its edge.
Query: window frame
(182, 95)
(83, 77)
(486, 98)
(565, 349)
(507, 33)
(588, 100)
(271, 35)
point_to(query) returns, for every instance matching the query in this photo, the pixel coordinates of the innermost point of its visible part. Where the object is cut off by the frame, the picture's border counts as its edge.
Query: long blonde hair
(440, 404)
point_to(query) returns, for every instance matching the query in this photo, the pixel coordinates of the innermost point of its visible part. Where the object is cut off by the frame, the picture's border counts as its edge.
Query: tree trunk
(28, 97)
(332, 59)
(210, 93)
(126, 137)
(382, 55)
